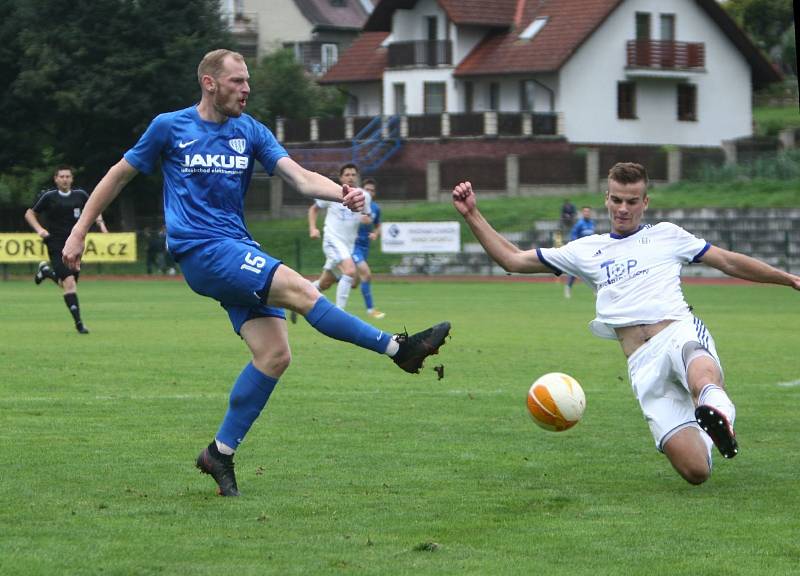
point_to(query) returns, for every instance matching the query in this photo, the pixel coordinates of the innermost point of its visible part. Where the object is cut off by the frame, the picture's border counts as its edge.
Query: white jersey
(341, 223)
(637, 278)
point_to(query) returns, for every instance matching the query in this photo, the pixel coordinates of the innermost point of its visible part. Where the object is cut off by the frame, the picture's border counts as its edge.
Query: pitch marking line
(792, 384)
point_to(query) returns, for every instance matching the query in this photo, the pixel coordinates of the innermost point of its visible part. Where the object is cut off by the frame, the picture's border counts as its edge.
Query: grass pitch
(358, 468)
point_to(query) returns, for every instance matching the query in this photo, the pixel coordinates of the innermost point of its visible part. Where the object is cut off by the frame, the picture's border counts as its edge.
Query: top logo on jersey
(238, 144)
(182, 144)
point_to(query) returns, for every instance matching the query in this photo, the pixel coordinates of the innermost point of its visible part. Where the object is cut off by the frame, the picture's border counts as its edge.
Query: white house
(678, 72)
(317, 31)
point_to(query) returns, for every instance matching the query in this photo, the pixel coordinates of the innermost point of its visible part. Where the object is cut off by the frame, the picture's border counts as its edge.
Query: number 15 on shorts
(253, 263)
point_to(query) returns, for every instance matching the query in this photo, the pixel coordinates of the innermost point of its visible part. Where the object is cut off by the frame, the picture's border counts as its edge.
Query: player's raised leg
(715, 412)
(290, 290)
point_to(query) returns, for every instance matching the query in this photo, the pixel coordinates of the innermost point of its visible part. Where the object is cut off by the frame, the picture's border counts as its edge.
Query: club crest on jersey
(238, 144)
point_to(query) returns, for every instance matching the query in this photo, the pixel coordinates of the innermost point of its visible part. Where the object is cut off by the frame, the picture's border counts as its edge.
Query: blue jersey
(582, 228)
(207, 169)
(362, 240)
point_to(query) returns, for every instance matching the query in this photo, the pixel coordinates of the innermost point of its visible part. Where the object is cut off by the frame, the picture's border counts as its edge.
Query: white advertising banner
(420, 237)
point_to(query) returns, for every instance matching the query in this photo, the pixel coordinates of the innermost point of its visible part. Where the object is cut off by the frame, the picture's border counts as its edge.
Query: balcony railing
(666, 54)
(458, 125)
(420, 53)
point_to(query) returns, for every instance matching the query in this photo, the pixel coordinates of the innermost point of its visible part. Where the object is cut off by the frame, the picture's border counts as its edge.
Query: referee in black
(61, 207)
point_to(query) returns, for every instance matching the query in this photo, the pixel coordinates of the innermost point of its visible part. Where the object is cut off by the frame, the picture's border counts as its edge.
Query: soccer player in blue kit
(583, 227)
(367, 232)
(206, 153)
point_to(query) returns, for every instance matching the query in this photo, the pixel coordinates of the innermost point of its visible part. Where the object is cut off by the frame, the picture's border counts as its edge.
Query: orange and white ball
(556, 401)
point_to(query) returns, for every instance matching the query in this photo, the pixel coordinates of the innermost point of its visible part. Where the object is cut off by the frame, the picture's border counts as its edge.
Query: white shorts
(658, 377)
(335, 252)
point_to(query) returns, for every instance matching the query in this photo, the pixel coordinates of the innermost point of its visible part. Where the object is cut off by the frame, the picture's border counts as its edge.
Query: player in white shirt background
(339, 237)
(635, 270)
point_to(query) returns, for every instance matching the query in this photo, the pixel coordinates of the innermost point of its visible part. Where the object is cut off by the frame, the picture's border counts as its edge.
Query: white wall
(587, 93)
(415, 89)
(279, 21)
(369, 98)
(412, 24)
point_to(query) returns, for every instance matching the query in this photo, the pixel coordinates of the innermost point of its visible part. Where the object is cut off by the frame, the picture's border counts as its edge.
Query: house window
(668, 40)
(352, 105)
(494, 96)
(687, 102)
(330, 55)
(469, 97)
(400, 98)
(533, 28)
(339, 3)
(435, 102)
(527, 95)
(626, 100)
(642, 26)
(668, 27)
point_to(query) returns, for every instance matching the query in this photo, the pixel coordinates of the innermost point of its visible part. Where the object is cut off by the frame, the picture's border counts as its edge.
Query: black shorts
(54, 248)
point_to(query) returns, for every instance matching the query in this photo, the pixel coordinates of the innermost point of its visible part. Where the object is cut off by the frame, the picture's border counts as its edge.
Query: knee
(695, 472)
(273, 362)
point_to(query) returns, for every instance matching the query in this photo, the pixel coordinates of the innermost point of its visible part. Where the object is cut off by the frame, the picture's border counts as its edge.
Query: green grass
(358, 468)
(771, 119)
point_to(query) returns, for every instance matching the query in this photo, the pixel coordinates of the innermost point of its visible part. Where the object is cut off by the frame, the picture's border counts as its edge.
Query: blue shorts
(232, 272)
(360, 253)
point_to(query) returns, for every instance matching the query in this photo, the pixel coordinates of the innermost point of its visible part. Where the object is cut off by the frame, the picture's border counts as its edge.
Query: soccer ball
(556, 401)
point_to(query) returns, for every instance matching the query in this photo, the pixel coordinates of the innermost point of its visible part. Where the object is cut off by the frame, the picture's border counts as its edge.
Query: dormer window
(533, 28)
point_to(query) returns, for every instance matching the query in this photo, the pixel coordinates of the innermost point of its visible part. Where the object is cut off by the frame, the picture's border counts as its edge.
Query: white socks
(224, 448)
(343, 291)
(714, 396)
(392, 348)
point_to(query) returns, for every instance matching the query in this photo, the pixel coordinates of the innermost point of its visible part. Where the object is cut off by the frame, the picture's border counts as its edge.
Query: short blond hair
(211, 64)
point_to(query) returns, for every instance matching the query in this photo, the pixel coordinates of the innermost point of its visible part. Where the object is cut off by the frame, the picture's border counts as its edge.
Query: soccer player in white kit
(635, 270)
(339, 237)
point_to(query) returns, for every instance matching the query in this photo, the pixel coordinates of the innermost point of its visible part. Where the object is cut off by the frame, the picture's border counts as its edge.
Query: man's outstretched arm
(104, 193)
(748, 268)
(315, 185)
(505, 253)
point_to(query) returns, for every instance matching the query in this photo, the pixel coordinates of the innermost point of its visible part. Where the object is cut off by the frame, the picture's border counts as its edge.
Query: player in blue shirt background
(207, 152)
(368, 232)
(583, 227)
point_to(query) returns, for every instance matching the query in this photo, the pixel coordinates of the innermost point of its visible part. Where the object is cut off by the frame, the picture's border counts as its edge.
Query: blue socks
(248, 397)
(336, 323)
(366, 291)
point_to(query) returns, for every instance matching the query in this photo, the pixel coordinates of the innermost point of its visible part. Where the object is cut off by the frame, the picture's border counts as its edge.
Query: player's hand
(313, 233)
(373, 236)
(72, 251)
(44, 234)
(796, 282)
(464, 198)
(353, 198)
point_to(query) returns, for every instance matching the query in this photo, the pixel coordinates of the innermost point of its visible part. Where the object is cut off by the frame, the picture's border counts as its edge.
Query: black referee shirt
(61, 211)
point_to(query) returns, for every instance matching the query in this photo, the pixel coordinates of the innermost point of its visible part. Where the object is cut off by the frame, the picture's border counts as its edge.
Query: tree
(770, 23)
(280, 87)
(85, 77)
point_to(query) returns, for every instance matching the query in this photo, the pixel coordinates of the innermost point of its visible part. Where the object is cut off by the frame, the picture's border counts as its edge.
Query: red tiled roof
(462, 12)
(483, 12)
(569, 24)
(364, 61)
